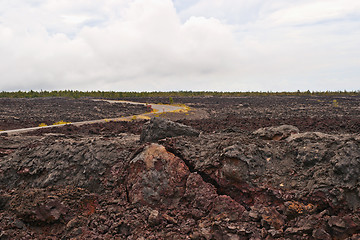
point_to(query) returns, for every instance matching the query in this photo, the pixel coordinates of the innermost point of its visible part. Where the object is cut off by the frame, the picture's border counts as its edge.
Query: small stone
(242, 229)
(321, 234)
(195, 235)
(154, 218)
(206, 233)
(275, 233)
(272, 217)
(232, 227)
(76, 232)
(233, 237)
(73, 223)
(254, 215)
(337, 222)
(169, 218)
(19, 224)
(103, 228)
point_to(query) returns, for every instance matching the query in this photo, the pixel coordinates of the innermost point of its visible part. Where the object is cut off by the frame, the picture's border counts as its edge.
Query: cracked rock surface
(218, 185)
(215, 186)
(159, 128)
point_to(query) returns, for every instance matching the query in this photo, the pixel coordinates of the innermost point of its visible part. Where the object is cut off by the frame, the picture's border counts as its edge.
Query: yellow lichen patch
(300, 208)
(273, 218)
(184, 109)
(125, 120)
(180, 105)
(61, 122)
(335, 103)
(143, 117)
(42, 125)
(107, 120)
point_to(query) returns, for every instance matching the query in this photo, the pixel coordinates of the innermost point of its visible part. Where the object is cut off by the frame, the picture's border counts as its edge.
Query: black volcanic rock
(100, 182)
(159, 128)
(276, 133)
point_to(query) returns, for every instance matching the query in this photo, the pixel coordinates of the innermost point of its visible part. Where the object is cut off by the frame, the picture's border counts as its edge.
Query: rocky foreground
(174, 182)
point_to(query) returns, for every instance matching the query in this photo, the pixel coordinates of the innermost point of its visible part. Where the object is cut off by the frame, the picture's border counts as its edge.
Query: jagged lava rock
(156, 177)
(159, 128)
(36, 206)
(199, 195)
(309, 181)
(61, 161)
(276, 133)
(225, 206)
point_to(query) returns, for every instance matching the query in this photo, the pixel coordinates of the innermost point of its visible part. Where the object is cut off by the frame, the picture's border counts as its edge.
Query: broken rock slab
(159, 128)
(156, 177)
(276, 133)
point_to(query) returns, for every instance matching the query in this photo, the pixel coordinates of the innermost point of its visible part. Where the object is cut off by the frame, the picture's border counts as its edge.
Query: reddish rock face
(35, 206)
(199, 194)
(225, 207)
(156, 177)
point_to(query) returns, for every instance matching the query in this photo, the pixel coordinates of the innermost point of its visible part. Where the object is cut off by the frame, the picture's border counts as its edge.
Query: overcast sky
(162, 45)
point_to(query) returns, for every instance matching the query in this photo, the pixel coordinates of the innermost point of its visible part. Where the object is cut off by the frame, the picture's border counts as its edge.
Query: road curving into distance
(156, 109)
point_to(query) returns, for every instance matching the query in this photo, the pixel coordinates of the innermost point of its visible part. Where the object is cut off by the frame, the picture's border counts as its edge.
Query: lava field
(257, 167)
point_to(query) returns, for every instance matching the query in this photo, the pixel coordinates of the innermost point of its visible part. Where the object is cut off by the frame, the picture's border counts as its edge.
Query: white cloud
(230, 11)
(234, 45)
(315, 12)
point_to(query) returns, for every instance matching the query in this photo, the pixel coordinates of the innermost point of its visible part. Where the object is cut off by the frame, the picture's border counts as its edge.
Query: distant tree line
(118, 95)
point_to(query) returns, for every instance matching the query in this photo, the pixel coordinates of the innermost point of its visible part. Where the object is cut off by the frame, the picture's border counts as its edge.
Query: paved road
(157, 108)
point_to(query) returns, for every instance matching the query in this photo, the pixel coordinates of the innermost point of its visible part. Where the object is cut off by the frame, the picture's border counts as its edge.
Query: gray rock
(154, 218)
(276, 133)
(321, 234)
(346, 162)
(159, 128)
(63, 161)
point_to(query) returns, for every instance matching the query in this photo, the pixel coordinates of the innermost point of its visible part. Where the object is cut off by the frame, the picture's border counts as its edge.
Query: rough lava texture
(276, 133)
(159, 128)
(218, 185)
(62, 161)
(156, 177)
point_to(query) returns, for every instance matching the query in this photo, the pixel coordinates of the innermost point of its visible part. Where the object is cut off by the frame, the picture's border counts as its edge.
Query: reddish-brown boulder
(225, 207)
(156, 177)
(199, 193)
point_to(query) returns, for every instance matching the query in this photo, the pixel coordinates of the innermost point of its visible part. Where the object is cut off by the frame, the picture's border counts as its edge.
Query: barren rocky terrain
(21, 112)
(231, 168)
